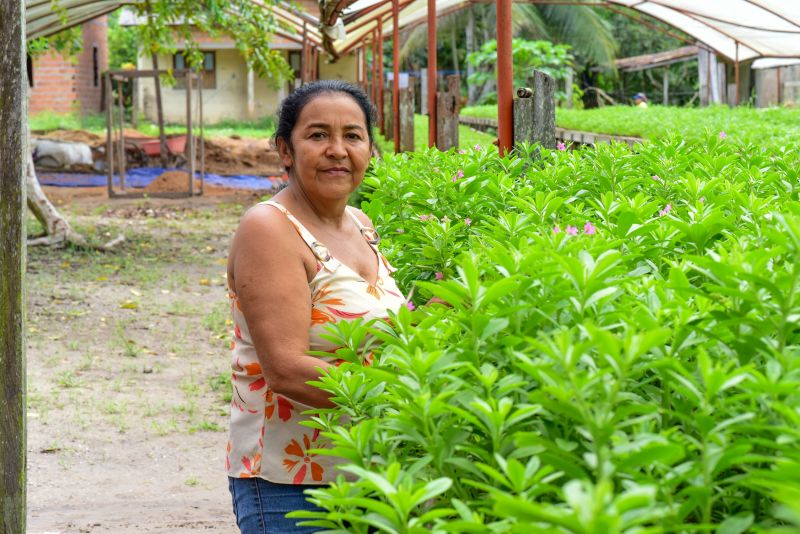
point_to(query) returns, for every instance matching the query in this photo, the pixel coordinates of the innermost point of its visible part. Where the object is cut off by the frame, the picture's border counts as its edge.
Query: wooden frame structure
(191, 78)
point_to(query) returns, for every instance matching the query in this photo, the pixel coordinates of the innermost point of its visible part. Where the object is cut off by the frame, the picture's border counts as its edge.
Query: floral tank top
(266, 438)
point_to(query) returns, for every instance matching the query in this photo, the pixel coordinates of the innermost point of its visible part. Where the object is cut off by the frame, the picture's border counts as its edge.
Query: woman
(298, 263)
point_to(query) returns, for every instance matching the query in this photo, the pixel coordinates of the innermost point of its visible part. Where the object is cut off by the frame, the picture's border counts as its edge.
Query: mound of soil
(170, 182)
(231, 156)
(74, 136)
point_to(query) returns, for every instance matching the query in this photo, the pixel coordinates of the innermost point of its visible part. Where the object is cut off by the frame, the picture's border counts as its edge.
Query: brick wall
(64, 84)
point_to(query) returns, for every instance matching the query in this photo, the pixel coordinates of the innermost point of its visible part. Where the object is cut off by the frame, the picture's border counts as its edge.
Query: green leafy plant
(550, 58)
(620, 351)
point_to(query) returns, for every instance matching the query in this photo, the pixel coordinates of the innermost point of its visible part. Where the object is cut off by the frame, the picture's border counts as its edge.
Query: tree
(12, 267)
(249, 23)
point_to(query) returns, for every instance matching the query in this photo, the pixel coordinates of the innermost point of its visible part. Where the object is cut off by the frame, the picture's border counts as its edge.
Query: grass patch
(467, 137)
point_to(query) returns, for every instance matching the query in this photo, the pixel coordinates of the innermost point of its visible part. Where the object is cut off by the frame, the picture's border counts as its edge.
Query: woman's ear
(285, 152)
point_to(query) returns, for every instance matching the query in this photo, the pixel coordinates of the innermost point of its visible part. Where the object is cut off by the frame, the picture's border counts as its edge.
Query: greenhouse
(400, 266)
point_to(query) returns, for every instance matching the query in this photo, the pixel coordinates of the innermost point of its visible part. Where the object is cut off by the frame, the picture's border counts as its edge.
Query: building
(63, 84)
(231, 91)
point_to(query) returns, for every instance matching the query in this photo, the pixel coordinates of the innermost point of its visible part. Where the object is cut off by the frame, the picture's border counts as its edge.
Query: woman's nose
(336, 148)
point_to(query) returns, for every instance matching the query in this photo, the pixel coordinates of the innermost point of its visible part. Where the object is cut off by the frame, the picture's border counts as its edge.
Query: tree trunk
(472, 90)
(57, 228)
(13, 118)
(454, 47)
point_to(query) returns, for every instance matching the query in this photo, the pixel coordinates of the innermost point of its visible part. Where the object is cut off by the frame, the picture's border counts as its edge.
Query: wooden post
(535, 112)
(202, 131)
(432, 68)
(189, 141)
(388, 123)
(135, 103)
(505, 78)
(160, 115)
(109, 134)
(407, 116)
(121, 145)
(447, 114)
(13, 157)
(396, 69)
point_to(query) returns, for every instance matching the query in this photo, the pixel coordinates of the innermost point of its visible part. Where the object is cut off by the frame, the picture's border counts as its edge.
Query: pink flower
(561, 146)
(723, 135)
(467, 221)
(589, 228)
(556, 229)
(455, 179)
(478, 147)
(462, 151)
(438, 275)
(571, 230)
(400, 231)
(667, 209)
(656, 178)
(701, 200)
(423, 217)
(410, 305)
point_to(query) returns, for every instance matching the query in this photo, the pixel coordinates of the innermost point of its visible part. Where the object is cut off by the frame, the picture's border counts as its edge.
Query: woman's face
(330, 147)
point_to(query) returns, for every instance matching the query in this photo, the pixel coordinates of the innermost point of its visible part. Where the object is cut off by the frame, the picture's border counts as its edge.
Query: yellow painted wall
(345, 69)
(227, 101)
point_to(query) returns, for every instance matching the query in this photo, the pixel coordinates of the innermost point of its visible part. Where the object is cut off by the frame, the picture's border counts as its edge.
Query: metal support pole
(374, 65)
(304, 57)
(432, 73)
(736, 73)
(665, 87)
(396, 70)
(379, 103)
(505, 78)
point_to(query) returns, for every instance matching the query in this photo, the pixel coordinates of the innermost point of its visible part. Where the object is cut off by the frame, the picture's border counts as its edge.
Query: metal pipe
(381, 78)
(396, 70)
(432, 73)
(505, 78)
(736, 73)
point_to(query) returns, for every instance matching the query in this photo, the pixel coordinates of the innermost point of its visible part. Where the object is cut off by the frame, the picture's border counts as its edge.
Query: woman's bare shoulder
(362, 217)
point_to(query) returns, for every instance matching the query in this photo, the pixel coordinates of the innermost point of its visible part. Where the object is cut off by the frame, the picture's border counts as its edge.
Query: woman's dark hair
(293, 104)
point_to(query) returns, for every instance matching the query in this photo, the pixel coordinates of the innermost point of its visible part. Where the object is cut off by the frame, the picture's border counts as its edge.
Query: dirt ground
(128, 368)
(226, 156)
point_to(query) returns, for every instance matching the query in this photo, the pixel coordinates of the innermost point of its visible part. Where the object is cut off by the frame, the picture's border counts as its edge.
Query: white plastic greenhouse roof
(762, 28)
(41, 20)
(736, 29)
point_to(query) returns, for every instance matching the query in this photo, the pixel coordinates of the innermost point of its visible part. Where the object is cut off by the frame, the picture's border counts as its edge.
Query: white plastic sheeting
(762, 28)
(757, 28)
(41, 20)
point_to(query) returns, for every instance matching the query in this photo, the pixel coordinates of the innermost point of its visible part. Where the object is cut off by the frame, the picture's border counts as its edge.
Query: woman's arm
(271, 283)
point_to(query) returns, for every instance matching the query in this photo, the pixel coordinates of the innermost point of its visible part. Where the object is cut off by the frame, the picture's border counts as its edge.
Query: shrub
(620, 353)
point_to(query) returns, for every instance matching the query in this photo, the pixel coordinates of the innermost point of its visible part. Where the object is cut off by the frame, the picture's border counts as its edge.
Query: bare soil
(226, 156)
(128, 368)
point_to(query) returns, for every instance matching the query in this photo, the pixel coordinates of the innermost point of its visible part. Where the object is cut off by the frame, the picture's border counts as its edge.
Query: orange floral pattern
(266, 437)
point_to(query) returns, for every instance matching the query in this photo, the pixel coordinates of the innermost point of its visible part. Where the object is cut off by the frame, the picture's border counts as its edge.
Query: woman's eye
(317, 135)
(354, 136)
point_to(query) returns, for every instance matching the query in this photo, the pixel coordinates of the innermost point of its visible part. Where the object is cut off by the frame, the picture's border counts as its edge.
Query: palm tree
(582, 27)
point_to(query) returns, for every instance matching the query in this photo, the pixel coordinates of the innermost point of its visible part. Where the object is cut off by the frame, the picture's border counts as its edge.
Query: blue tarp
(141, 177)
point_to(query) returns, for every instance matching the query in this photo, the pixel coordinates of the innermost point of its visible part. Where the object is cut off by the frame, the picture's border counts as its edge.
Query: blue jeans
(261, 506)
